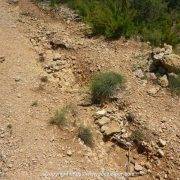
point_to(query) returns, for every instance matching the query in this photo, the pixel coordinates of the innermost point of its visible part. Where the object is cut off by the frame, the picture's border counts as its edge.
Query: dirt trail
(19, 74)
(29, 146)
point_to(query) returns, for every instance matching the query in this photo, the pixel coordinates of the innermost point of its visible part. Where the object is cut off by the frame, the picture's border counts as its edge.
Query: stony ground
(33, 45)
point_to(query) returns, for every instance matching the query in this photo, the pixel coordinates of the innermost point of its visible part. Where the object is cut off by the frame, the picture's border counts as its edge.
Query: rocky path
(29, 147)
(44, 64)
(25, 138)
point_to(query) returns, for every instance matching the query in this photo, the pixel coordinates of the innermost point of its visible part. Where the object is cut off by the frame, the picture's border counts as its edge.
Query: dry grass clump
(103, 85)
(85, 134)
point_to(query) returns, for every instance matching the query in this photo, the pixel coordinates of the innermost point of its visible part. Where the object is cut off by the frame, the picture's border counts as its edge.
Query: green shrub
(54, 3)
(174, 84)
(59, 118)
(137, 136)
(154, 20)
(153, 36)
(85, 134)
(106, 17)
(103, 86)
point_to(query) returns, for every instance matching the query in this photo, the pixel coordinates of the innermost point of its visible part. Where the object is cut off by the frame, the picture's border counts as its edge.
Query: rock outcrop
(171, 62)
(165, 58)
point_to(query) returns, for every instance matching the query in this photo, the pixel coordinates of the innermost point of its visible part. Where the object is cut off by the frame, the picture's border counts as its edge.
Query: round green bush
(85, 134)
(103, 86)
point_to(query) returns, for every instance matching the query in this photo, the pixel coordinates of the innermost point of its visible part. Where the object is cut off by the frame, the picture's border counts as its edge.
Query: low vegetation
(60, 118)
(137, 136)
(44, 79)
(85, 134)
(52, 3)
(34, 103)
(156, 21)
(103, 86)
(174, 84)
(9, 126)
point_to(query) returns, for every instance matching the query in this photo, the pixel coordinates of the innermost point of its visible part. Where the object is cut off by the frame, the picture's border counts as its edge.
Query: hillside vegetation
(157, 21)
(87, 107)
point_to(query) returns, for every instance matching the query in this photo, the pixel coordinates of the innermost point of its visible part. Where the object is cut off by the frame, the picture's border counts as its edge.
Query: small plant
(44, 79)
(35, 103)
(9, 126)
(103, 86)
(137, 136)
(59, 118)
(86, 135)
(174, 84)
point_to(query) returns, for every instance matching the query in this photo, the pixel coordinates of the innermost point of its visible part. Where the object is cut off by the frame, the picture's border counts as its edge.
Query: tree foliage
(157, 21)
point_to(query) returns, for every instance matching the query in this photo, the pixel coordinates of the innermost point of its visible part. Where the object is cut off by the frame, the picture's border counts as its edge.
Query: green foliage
(9, 126)
(54, 3)
(103, 86)
(59, 118)
(174, 4)
(174, 84)
(137, 136)
(156, 21)
(86, 135)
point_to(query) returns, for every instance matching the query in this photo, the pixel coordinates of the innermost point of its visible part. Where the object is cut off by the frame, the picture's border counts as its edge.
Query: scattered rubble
(139, 73)
(115, 128)
(151, 76)
(111, 128)
(57, 43)
(171, 63)
(53, 67)
(153, 91)
(165, 58)
(159, 67)
(122, 142)
(69, 153)
(101, 113)
(13, 1)
(138, 167)
(162, 143)
(160, 153)
(57, 57)
(103, 121)
(163, 81)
